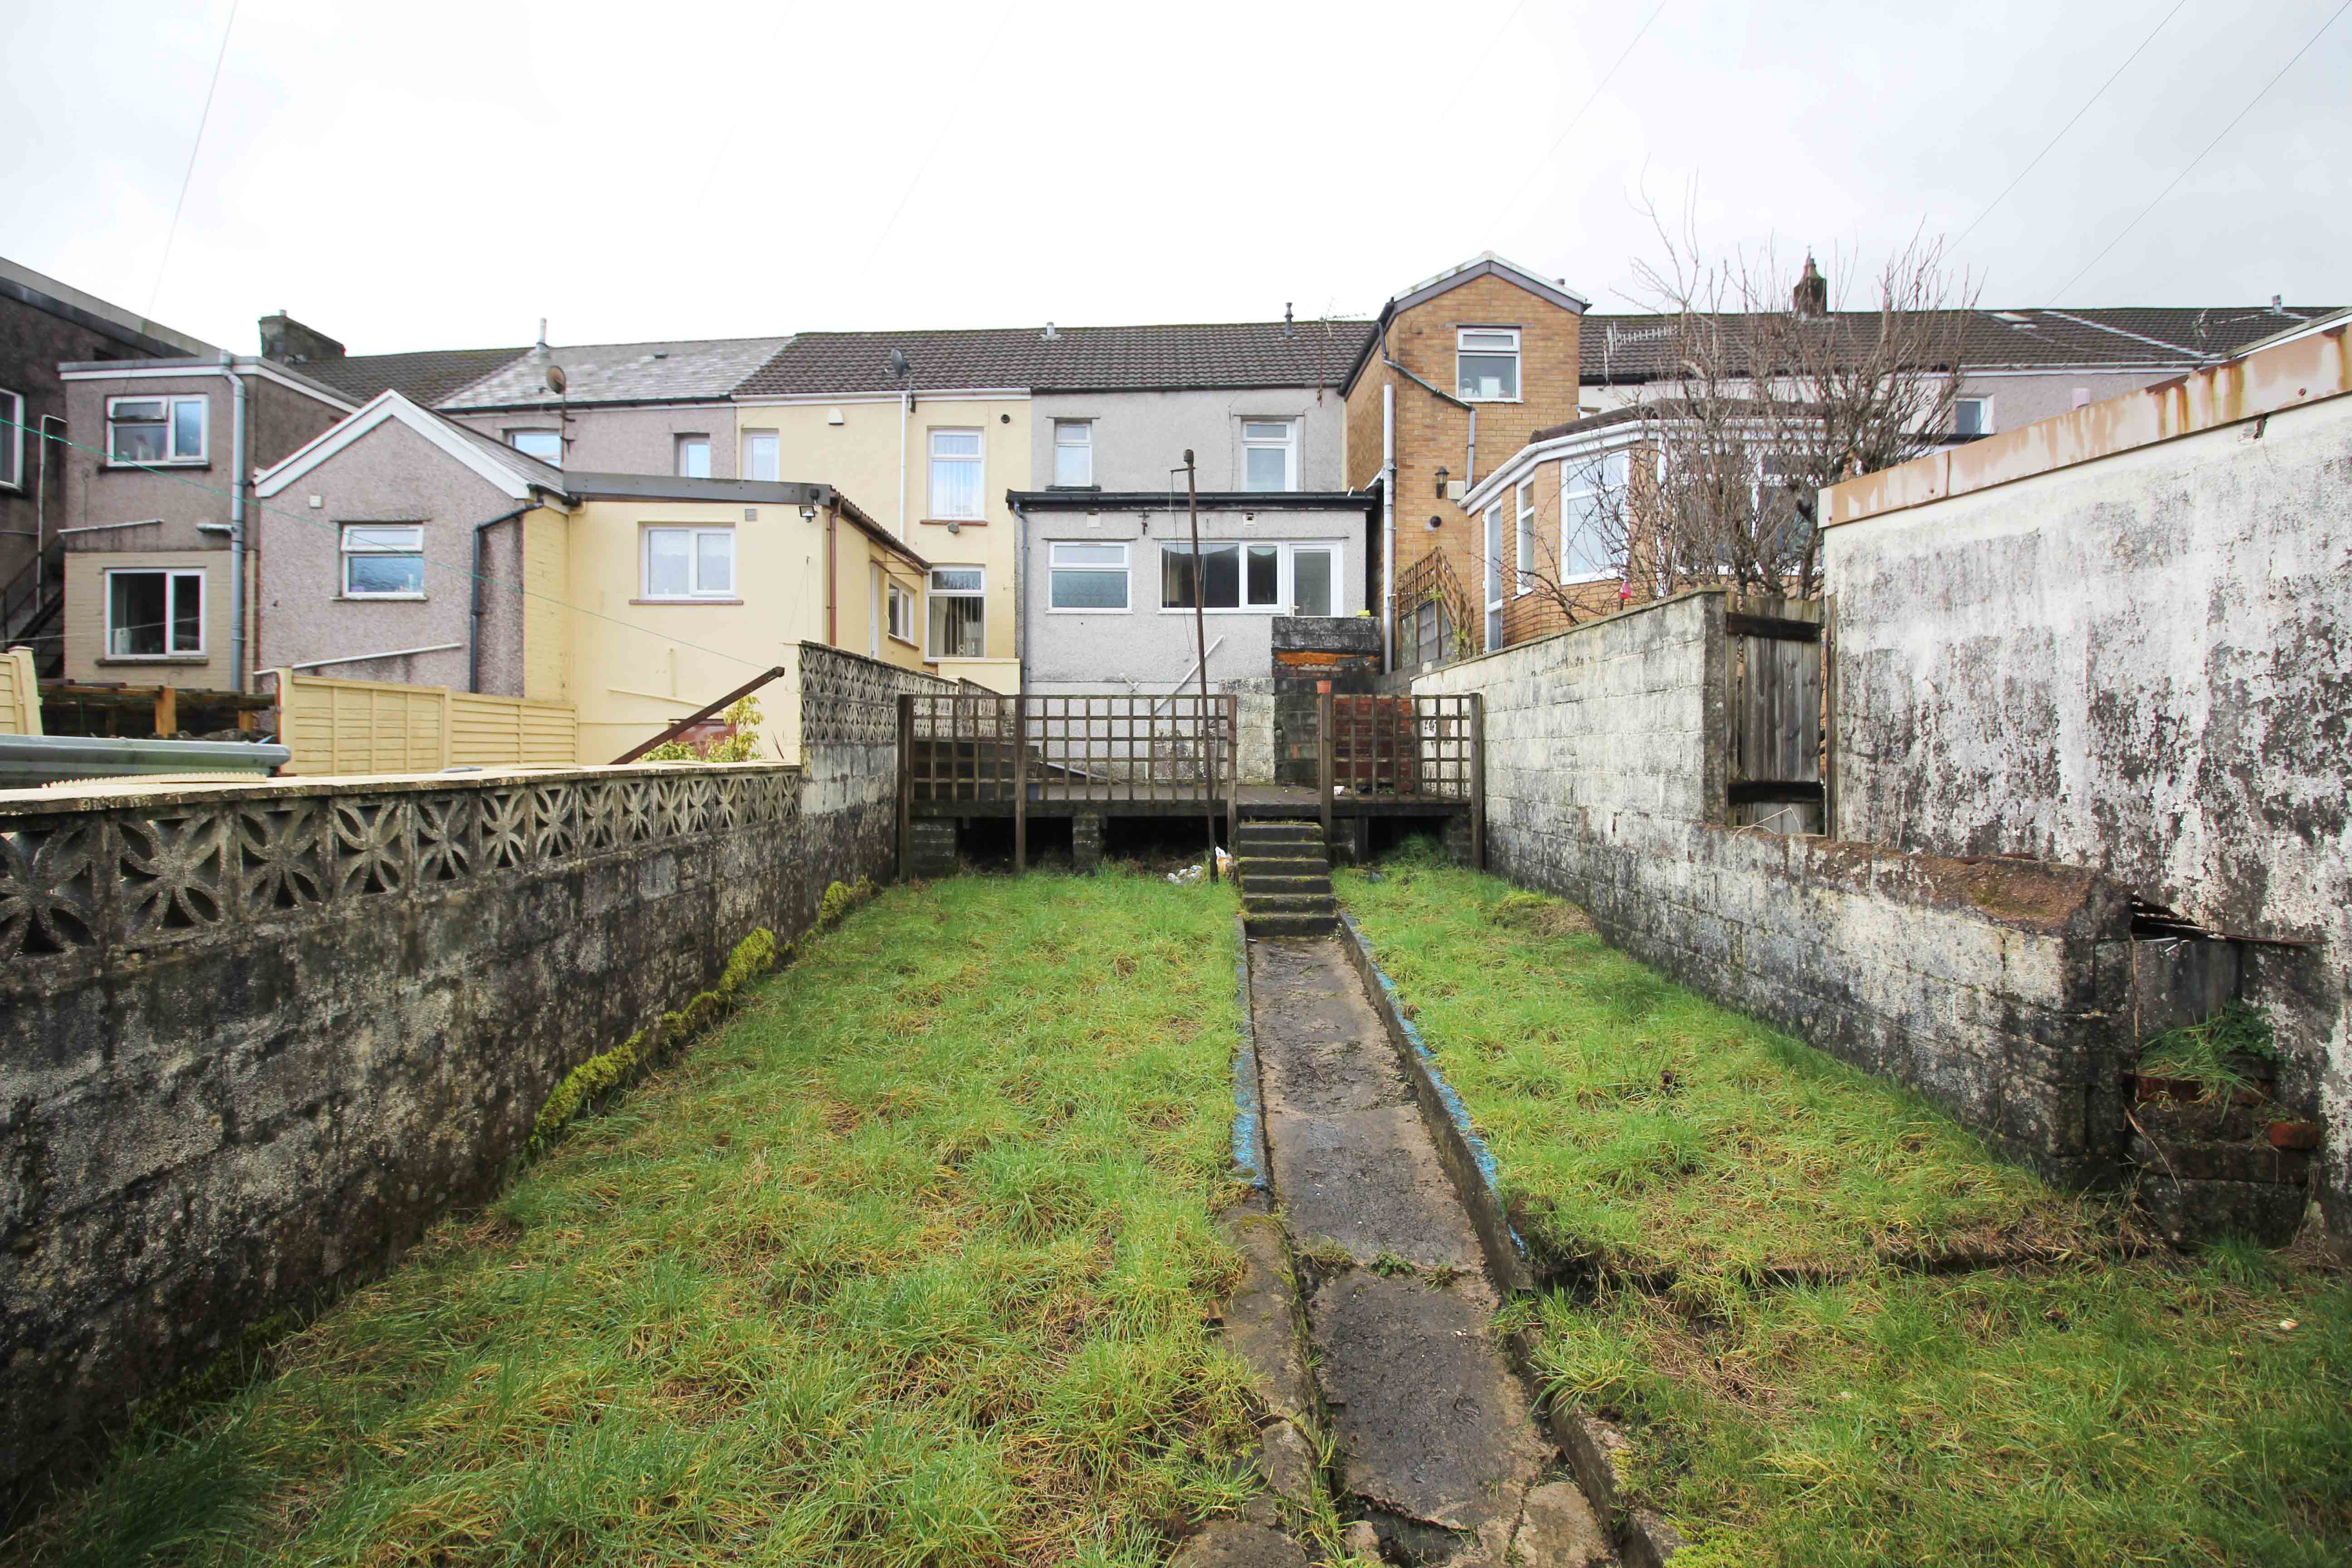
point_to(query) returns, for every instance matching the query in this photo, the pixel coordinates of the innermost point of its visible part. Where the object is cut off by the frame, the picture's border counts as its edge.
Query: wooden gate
(1776, 714)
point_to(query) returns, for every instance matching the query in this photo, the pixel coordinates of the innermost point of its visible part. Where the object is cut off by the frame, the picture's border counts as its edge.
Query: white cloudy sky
(426, 175)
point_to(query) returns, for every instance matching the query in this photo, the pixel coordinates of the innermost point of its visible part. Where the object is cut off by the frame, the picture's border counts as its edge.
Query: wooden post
(1020, 786)
(1201, 640)
(1478, 780)
(167, 710)
(906, 780)
(1323, 754)
(1233, 773)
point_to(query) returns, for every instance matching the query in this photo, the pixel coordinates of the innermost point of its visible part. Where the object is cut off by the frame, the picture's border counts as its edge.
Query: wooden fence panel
(20, 693)
(380, 726)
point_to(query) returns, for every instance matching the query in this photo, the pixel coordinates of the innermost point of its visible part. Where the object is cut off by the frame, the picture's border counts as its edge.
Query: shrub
(743, 746)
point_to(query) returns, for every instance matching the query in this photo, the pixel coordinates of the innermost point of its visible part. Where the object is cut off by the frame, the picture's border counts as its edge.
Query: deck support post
(1478, 780)
(906, 781)
(1325, 754)
(1020, 786)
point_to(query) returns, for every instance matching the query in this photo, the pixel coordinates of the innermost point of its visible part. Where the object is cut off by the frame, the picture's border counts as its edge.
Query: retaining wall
(259, 1036)
(1995, 989)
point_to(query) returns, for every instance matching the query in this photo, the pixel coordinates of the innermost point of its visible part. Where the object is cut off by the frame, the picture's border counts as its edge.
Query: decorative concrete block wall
(1995, 989)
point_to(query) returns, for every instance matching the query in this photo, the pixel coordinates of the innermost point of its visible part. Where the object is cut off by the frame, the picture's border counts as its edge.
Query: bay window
(1525, 501)
(1592, 505)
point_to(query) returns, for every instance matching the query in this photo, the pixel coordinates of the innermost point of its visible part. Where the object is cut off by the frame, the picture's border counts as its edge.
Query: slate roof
(681, 370)
(529, 469)
(1637, 348)
(422, 378)
(1076, 359)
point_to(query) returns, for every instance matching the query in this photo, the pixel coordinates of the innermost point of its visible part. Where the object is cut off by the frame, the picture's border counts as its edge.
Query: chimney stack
(1810, 297)
(1285, 318)
(289, 342)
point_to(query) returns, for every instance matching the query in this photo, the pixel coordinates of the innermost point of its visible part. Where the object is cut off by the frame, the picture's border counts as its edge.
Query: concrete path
(1439, 1452)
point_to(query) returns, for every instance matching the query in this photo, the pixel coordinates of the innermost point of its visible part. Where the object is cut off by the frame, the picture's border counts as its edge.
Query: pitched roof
(1075, 359)
(514, 472)
(1640, 348)
(424, 377)
(680, 369)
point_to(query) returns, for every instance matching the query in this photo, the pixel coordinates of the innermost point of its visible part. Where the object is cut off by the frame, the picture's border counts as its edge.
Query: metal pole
(1020, 784)
(1201, 640)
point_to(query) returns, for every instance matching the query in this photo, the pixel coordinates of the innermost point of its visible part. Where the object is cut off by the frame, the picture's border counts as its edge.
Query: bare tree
(1776, 386)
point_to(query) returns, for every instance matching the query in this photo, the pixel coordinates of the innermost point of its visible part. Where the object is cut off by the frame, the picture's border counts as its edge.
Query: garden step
(1290, 925)
(1255, 882)
(1283, 833)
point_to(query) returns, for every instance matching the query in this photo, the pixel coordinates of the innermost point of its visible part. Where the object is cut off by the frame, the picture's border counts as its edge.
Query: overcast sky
(427, 175)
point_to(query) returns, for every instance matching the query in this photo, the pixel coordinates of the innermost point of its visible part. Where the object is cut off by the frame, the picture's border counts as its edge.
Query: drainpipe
(906, 417)
(1470, 458)
(41, 512)
(1021, 595)
(1388, 525)
(237, 479)
(832, 567)
(474, 628)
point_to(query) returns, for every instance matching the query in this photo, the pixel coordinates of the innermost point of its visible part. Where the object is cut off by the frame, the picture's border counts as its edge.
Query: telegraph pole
(1200, 641)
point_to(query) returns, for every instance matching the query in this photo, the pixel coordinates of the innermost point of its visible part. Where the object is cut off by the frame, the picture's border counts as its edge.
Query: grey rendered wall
(1140, 436)
(260, 1037)
(1147, 647)
(2142, 664)
(625, 440)
(1992, 989)
(2021, 397)
(389, 475)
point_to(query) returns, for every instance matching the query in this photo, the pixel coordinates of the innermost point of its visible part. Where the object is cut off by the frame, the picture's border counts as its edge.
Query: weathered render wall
(2141, 664)
(1990, 988)
(259, 1036)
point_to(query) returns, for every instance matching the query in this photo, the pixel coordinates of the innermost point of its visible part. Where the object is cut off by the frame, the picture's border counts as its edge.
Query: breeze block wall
(259, 1036)
(1995, 988)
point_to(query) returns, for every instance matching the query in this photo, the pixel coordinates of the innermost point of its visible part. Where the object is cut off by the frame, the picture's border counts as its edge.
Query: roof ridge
(1062, 331)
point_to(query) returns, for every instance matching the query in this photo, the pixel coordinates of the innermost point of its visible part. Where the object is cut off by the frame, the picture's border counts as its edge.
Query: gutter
(474, 619)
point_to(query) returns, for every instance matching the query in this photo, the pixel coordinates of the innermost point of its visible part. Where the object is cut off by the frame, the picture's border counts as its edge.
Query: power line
(2259, 95)
(2087, 102)
(1606, 78)
(189, 175)
(945, 120)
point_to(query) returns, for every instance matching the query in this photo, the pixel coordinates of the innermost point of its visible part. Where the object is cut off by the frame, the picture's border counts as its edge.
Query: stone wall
(261, 1035)
(1992, 988)
(1308, 650)
(2140, 662)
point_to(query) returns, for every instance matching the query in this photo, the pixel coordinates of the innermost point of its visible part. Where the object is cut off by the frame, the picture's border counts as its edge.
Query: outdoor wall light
(1441, 483)
(808, 512)
(1436, 523)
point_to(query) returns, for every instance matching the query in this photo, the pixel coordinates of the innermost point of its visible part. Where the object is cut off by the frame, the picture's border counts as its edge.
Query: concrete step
(1285, 854)
(1282, 832)
(1289, 925)
(1287, 904)
(1255, 883)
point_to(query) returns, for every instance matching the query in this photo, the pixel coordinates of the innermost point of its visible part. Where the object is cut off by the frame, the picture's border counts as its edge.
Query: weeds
(2212, 1053)
(832, 1289)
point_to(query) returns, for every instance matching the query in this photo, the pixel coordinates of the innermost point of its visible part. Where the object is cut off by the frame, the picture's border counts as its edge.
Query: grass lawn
(2083, 1409)
(906, 1264)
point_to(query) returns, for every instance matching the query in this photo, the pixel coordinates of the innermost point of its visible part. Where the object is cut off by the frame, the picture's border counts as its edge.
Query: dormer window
(1486, 364)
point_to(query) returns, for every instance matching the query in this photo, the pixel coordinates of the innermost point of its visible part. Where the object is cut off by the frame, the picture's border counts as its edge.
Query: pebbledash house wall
(1993, 989)
(2138, 661)
(261, 1035)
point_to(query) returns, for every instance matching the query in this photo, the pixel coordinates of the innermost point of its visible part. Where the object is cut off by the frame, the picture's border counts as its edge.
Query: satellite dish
(555, 381)
(898, 366)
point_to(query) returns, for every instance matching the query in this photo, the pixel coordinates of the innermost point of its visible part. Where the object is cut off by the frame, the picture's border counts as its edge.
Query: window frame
(12, 408)
(1523, 537)
(1516, 353)
(173, 457)
(1287, 446)
(900, 597)
(683, 441)
(1984, 416)
(1125, 570)
(932, 510)
(1087, 446)
(1597, 472)
(695, 594)
(1490, 585)
(935, 594)
(554, 462)
(1285, 591)
(170, 575)
(345, 552)
(743, 464)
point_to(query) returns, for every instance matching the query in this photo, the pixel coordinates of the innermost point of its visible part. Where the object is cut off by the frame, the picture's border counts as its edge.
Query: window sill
(381, 598)
(903, 642)
(1228, 610)
(686, 601)
(156, 658)
(954, 522)
(1092, 610)
(134, 468)
(1458, 398)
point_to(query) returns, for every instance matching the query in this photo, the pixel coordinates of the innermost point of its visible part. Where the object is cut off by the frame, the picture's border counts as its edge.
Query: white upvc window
(958, 482)
(1486, 364)
(1251, 576)
(1972, 416)
(689, 563)
(12, 440)
(154, 613)
(693, 457)
(1269, 454)
(902, 613)
(383, 561)
(1592, 494)
(1526, 500)
(547, 446)
(1083, 575)
(1493, 583)
(760, 456)
(1074, 453)
(959, 612)
(156, 429)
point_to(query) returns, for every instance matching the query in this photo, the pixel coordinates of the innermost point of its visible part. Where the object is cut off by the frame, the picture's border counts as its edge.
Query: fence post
(906, 779)
(1233, 774)
(449, 737)
(1323, 754)
(1020, 784)
(1478, 780)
